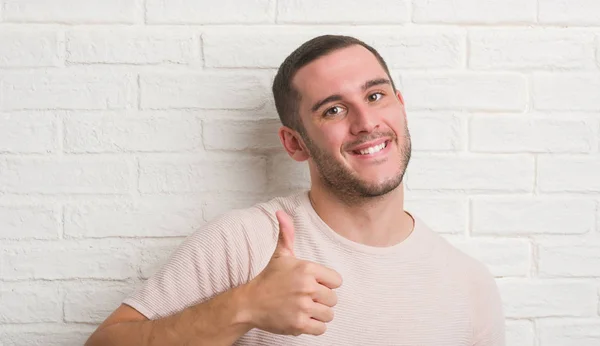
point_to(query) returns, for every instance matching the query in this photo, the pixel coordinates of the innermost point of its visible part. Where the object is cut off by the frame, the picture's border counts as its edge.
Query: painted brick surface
(126, 125)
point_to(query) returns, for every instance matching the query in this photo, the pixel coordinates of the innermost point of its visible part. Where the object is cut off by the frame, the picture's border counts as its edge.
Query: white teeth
(373, 149)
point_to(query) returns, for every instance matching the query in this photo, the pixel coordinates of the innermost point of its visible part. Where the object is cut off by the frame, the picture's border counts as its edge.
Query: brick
(155, 254)
(560, 332)
(67, 260)
(203, 90)
(92, 302)
(72, 11)
(514, 134)
(210, 12)
(267, 111)
(132, 46)
(598, 50)
(28, 222)
(443, 215)
(28, 132)
(149, 217)
(577, 12)
(566, 91)
(418, 48)
(246, 47)
(547, 298)
(286, 175)
(198, 175)
(471, 91)
(504, 257)
(330, 11)
(598, 218)
(520, 333)
(30, 303)
(45, 334)
(404, 48)
(506, 173)
(531, 49)
(474, 11)
(52, 175)
(29, 48)
(527, 215)
(579, 258)
(109, 132)
(225, 134)
(435, 132)
(568, 174)
(66, 89)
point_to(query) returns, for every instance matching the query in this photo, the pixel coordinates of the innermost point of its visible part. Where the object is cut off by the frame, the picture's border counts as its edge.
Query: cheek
(396, 120)
(333, 138)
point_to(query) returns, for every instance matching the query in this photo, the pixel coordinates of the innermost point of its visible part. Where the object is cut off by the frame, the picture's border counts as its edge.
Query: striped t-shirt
(421, 291)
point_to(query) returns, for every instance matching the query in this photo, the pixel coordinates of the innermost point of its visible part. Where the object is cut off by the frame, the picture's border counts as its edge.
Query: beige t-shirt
(422, 291)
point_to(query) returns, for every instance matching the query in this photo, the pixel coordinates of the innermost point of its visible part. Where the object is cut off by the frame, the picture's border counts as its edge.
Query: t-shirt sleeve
(488, 316)
(212, 260)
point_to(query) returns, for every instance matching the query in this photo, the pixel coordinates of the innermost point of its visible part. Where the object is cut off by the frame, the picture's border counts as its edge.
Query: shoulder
(259, 215)
(480, 289)
(456, 260)
(252, 226)
(474, 279)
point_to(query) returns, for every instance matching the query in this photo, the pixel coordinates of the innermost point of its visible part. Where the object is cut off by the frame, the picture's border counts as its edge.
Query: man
(275, 273)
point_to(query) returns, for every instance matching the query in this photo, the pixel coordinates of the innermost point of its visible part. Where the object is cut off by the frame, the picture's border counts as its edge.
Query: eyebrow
(336, 97)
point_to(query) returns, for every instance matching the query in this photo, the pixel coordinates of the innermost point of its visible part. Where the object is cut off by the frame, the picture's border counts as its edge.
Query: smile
(372, 150)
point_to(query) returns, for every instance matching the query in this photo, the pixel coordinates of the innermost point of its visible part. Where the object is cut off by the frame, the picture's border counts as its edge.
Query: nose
(363, 120)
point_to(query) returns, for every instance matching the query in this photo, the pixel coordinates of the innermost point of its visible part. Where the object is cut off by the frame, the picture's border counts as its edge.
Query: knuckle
(299, 323)
(305, 305)
(306, 285)
(307, 268)
(321, 330)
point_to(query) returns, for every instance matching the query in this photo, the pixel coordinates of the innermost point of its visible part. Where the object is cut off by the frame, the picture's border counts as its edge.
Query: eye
(335, 110)
(375, 97)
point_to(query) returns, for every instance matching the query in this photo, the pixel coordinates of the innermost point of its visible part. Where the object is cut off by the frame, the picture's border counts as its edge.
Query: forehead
(339, 72)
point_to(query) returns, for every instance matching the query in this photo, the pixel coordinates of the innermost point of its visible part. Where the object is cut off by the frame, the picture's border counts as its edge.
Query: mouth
(372, 150)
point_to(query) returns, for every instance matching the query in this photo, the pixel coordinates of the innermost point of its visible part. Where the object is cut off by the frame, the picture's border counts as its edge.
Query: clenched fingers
(322, 313)
(328, 277)
(325, 296)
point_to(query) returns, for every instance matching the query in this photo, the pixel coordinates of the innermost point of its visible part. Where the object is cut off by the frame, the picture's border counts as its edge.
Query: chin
(376, 177)
(379, 187)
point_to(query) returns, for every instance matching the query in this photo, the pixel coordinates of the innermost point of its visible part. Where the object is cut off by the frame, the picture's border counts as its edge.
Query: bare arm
(289, 297)
(219, 321)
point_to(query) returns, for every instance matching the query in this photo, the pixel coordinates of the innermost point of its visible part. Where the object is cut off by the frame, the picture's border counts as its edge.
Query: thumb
(285, 241)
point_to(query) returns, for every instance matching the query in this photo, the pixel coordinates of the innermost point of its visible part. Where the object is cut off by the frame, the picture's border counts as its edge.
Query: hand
(292, 296)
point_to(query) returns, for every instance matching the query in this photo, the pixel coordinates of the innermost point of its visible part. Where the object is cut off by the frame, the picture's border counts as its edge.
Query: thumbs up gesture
(285, 242)
(292, 296)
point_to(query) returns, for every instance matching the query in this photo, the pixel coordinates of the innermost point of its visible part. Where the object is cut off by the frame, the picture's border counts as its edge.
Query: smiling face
(354, 124)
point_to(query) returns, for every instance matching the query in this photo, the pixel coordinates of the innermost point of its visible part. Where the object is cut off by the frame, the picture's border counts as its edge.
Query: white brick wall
(132, 46)
(73, 11)
(474, 11)
(127, 124)
(471, 91)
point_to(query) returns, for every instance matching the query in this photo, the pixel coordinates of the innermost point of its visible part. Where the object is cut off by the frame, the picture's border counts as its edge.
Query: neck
(378, 221)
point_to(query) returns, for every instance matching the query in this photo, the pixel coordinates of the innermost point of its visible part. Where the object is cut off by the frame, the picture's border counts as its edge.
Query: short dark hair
(286, 96)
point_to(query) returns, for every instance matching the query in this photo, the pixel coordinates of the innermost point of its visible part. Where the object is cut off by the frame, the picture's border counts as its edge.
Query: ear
(400, 98)
(293, 144)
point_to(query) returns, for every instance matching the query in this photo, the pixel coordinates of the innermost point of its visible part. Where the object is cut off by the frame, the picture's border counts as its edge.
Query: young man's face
(355, 124)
